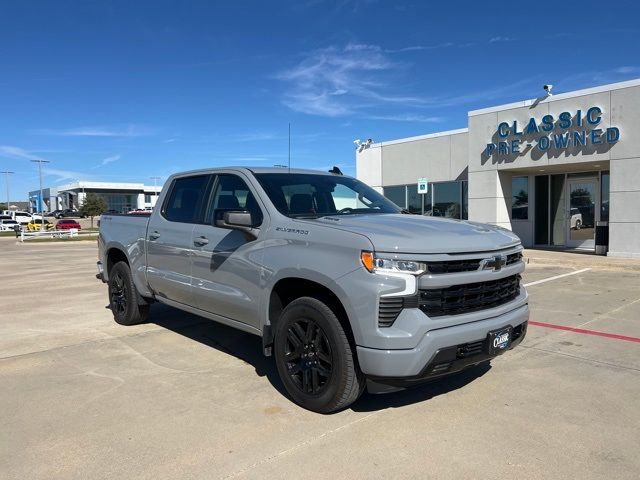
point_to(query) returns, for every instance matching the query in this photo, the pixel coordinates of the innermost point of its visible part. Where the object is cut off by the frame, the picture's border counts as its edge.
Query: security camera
(356, 142)
(548, 89)
(369, 141)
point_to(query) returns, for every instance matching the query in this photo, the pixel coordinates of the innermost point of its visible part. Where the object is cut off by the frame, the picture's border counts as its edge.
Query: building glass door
(582, 203)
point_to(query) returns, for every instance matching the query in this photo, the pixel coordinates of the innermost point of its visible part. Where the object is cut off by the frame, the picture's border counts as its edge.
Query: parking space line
(583, 331)
(555, 277)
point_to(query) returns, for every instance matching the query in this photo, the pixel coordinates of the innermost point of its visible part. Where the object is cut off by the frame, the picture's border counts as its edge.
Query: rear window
(186, 199)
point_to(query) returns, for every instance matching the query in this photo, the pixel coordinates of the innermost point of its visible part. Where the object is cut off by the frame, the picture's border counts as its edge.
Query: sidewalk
(579, 259)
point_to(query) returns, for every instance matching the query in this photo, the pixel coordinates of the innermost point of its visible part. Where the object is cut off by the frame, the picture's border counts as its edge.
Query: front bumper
(437, 352)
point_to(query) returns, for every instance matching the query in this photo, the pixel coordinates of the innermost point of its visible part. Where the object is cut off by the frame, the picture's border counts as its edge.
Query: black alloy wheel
(118, 295)
(314, 357)
(308, 356)
(127, 306)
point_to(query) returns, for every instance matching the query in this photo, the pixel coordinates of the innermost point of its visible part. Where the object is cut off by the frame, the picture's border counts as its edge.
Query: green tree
(93, 206)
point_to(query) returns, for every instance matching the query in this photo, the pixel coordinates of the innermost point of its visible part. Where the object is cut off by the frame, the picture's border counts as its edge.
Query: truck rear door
(170, 238)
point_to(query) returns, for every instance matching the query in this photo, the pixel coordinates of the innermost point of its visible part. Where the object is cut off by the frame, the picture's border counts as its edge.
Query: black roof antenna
(335, 170)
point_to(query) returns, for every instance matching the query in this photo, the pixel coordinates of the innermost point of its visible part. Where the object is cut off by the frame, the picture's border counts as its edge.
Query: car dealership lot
(183, 397)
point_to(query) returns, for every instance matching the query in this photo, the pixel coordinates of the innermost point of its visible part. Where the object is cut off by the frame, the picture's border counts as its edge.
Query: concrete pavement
(182, 397)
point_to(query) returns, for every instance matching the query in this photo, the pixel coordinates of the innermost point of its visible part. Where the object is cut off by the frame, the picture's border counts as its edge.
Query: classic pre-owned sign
(566, 131)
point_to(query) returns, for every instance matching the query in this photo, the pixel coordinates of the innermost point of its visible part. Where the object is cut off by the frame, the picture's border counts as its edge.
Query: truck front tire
(123, 297)
(315, 360)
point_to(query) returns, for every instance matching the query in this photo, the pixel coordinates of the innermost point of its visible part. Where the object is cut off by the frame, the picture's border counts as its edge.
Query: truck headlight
(381, 264)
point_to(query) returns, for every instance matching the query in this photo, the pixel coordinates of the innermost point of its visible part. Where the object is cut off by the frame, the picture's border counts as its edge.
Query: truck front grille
(470, 297)
(453, 266)
(514, 258)
(469, 265)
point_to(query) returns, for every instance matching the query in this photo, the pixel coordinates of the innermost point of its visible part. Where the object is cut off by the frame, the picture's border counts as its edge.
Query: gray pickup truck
(345, 288)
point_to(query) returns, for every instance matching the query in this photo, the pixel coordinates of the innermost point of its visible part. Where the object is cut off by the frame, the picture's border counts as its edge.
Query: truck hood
(420, 234)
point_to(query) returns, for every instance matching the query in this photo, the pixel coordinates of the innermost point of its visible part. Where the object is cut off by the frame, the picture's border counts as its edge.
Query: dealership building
(120, 197)
(555, 170)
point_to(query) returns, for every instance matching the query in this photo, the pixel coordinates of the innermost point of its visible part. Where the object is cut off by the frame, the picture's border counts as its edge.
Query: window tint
(397, 195)
(186, 198)
(520, 198)
(604, 197)
(414, 199)
(232, 193)
(446, 201)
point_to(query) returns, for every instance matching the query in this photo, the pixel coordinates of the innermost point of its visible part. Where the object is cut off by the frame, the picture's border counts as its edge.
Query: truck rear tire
(123, 297)
(315, 360)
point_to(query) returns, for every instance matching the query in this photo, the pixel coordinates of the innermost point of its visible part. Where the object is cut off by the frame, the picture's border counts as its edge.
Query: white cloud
(627, 70)
(335, 82)
(501, 39)
(407, 117)
(17, 153)
(254, 137)
(96, 131)
(417, 48)
(64, 175)
(107, 161)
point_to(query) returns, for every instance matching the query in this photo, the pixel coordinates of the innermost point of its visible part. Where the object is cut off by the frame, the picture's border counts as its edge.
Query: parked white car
(23, 217)
(576, 219)
(8, 225)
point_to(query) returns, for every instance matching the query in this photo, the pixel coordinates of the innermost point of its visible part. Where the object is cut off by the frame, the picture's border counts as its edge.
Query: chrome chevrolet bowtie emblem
(494, 263)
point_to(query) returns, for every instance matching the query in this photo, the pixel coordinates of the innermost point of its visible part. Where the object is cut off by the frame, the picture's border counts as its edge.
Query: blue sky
(122, 91)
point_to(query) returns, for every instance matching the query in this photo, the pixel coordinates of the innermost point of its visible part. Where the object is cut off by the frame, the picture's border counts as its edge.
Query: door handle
(200, 241)
(154, 236)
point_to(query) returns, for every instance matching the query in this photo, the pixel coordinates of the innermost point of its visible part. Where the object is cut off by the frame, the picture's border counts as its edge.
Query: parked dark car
(67, 225)
(54, 213)
(69, 213)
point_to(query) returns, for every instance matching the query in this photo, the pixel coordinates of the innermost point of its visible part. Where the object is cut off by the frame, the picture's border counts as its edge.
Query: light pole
(155, 188)
(6, 174)
(40, 162)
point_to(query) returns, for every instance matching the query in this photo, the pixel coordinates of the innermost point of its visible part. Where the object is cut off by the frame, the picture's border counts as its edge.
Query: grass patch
(7, 234)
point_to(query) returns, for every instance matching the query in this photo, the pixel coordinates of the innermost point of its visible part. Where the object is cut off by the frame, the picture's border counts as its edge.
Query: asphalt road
(182, 397)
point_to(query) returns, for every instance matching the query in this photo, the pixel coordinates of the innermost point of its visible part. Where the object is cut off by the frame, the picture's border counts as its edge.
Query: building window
(465, 200)
(414, 199)
(397, 195)
(520, 198)
(604, 197)
(447, 198)
(147, 198)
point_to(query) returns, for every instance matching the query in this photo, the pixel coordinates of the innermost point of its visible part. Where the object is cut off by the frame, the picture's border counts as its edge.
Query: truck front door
(169, 238)
(226, 263)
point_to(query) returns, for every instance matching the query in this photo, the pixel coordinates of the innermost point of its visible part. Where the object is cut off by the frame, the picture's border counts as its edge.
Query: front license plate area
(499, 341)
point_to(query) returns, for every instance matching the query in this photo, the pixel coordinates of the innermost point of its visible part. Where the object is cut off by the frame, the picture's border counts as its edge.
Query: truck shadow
(420, 393)
(242, 345)
(248, 348)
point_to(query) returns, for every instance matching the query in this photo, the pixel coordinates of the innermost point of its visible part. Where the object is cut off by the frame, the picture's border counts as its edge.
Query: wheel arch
(287, 289)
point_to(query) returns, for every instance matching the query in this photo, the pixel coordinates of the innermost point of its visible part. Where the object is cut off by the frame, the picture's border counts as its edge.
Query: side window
(186, 199)
(232, 193)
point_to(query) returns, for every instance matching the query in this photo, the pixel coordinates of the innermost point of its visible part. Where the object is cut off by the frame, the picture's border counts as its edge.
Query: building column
(624, 215)
(487, 199)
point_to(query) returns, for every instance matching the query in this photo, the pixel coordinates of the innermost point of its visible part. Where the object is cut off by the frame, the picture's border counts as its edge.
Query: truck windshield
(309, 195)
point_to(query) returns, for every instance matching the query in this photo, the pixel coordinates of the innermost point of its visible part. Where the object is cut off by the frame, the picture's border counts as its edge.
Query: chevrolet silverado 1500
(344, 288)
